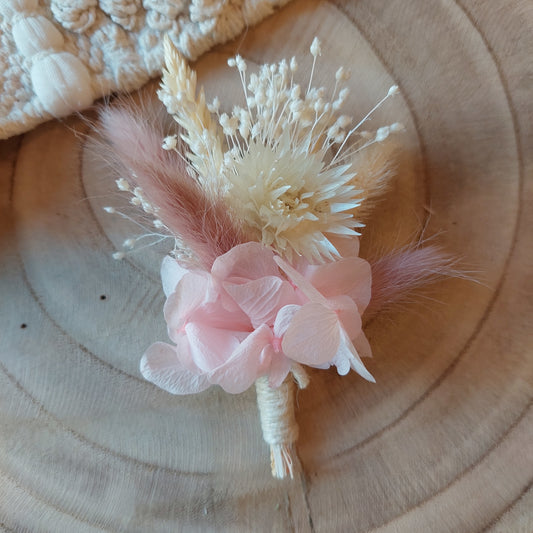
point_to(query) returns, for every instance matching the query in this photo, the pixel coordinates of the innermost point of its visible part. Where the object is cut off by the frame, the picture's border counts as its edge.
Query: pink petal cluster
(256, 315)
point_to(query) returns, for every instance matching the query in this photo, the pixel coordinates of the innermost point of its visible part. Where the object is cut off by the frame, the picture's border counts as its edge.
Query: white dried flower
(122, 184)
(315, 47)
(283, 161)
(393, 90)
(170, 142)
(382, 133)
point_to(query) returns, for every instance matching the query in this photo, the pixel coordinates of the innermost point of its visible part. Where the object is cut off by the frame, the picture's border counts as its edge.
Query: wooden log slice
(442, 441)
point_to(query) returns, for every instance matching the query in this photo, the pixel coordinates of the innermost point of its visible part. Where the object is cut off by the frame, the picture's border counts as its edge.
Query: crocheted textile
(57, 56)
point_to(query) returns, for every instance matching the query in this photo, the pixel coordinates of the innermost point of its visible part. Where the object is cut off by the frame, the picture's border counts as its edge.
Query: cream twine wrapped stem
(280, 430)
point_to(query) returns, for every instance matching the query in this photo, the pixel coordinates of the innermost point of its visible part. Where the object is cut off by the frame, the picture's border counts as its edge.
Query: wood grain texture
(442, 442)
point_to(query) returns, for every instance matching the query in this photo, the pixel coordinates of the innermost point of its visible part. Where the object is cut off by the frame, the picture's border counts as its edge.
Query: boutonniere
(264, 207)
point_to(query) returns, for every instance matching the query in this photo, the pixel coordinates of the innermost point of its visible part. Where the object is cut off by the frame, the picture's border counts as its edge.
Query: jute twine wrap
(280, 430)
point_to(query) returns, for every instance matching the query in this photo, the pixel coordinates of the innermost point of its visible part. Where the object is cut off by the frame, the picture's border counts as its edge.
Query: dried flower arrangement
(264, 207)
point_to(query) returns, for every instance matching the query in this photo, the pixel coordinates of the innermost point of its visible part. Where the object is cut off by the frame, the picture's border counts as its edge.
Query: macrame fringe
(280, 430)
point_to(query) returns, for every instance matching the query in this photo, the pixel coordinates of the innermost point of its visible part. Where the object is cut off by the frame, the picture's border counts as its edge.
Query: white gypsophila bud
(252, 84)
(296, 106)
(315, 47)
(122, 184)
(241, 63)
(136, 201)
(393, 90)
(169, 143)
(342, 74)
(340, 137)
(232, 62)
(256, 130)
(109, 209)
(318, 106)
(344, 121)
(343, 94)
(118, 255)
(147, 207)
(333, 131)
(158, 223)
(295, 92)
(214, 106)
(129, 243)
(397, 127)
(293, 64)
(245, 123)
(382, 133)
(224, 120)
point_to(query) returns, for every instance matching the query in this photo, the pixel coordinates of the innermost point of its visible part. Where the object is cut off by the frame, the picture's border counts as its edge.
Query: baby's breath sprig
(154, 230)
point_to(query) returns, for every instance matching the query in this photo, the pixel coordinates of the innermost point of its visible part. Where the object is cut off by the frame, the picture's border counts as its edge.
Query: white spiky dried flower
(283, 160)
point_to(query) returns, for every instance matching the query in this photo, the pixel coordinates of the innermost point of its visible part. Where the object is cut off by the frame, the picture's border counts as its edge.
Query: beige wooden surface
(442, 442)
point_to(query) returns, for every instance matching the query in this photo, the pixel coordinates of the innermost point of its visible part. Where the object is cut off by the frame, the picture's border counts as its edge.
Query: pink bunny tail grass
(396, 275)
(202, 223)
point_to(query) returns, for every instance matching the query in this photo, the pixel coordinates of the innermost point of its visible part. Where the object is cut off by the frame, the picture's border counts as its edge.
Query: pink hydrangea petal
(348, 314)
(246, 261)
(312, 337)
(245, 365)
(262, 298)
(362, 345)
(284, 318)
(160, 365)
(280, 367)
(350, 276)
(210, 347)
(171, 274)
(187, 297)
(222, 316)
(301, 282)
(362, 290)
(347, 353)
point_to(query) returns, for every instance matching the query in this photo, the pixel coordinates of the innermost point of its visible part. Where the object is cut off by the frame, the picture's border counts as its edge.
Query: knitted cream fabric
(57, 56)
